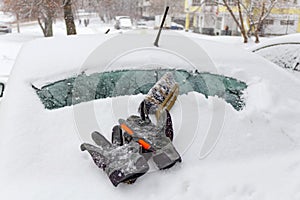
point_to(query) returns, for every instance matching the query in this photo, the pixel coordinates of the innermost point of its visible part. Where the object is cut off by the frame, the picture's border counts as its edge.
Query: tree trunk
(259, 23)
(243, 31)
(41, 25)
(47, 28)
(256, 36)
(69, 18)
(239, 24)
(18, 22)
(244, 34)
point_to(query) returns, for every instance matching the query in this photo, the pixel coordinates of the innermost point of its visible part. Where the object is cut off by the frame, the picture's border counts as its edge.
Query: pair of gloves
(134, 142)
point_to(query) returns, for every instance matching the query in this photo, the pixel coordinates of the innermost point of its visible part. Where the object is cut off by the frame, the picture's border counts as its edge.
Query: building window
(210, 2)
(268, 22)
(196, 3)
(291, 1)
(231, 2)
(287, 22)
(206, 2)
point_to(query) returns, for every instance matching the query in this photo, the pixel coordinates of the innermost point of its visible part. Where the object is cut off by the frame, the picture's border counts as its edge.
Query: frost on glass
(283, 55)
(83, 88)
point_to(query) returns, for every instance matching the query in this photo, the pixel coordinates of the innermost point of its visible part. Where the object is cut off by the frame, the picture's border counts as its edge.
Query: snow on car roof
(286, 39)
(119, 17)
(127, 51)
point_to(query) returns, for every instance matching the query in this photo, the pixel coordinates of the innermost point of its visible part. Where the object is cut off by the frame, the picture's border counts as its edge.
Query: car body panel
(123, 22)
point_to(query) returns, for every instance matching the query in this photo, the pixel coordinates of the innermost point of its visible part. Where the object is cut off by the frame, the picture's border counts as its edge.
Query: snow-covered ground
(12, 43)
(256, 157)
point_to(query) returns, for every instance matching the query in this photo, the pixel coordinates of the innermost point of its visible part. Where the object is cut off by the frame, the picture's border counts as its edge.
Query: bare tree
(256, 11)
(13, 6)
(239, 20)
(44, 11)
(21, 9)
(157, 7)
(108, 9)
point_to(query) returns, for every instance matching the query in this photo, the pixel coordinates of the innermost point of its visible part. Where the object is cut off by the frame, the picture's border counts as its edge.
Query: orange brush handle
(142, 142)
(127, 129)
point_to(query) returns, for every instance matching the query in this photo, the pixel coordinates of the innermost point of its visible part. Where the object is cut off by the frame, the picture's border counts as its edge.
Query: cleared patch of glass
(83, 88)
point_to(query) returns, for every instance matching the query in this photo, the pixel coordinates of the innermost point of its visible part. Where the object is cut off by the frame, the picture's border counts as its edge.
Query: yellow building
(205, 17)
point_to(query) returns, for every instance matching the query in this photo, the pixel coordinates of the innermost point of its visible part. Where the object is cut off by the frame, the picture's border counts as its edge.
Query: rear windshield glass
(286, 55)
(83, 88)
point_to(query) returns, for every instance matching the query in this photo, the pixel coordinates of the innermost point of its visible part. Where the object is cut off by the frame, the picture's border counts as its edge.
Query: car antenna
(107, 31)
(161, 26)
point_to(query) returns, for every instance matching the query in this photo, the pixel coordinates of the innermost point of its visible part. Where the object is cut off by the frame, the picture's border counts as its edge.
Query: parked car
(123, 22)
(175, 26)
(141, 25)
(5, 28)
(52, 105)
(284, 51)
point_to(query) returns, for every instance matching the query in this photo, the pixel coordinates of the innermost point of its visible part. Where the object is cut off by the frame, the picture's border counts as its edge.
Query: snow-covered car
(141, 25)
(123, 22)
(5, 28)
(175, 26)
(284, 51)
(230, 120)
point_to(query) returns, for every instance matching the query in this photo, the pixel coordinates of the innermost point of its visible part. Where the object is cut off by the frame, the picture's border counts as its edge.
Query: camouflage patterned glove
(121, 163)
(153, 139)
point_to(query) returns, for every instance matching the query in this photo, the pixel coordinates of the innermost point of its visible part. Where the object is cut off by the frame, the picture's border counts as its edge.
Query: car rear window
(285, 55)
(83, 88)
